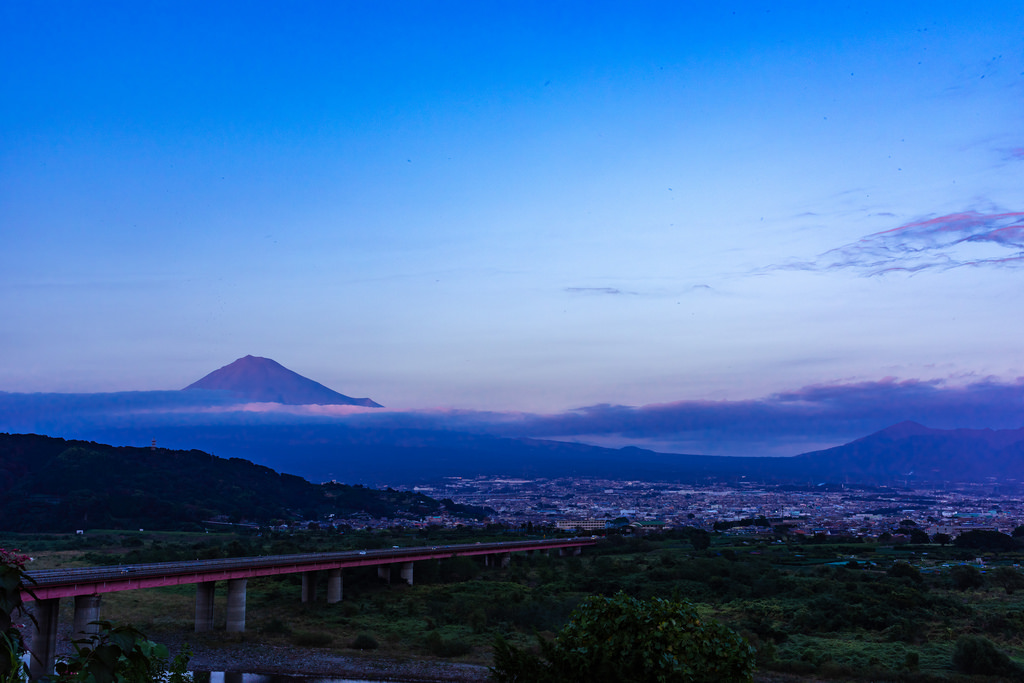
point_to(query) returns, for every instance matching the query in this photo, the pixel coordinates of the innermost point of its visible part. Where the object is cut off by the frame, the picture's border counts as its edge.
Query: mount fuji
(262, 380)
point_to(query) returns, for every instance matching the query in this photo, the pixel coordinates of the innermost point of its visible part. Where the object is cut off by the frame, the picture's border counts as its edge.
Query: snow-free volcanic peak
(262, 380)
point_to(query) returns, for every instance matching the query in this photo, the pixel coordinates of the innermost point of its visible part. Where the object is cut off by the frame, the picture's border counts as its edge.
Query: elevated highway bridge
(87, 585)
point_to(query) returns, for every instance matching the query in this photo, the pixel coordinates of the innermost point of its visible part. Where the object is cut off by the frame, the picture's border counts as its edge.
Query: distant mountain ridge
(995, 438)
(262, 380)
(324, 450)
(910, 452)
(904, 454)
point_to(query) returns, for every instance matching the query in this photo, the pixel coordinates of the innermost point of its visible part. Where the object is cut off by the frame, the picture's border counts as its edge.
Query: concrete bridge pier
(204, 606)
(236, 605)
(87, 611)
(384, 572)
(405, 571)
(309, 586)
(562, 552)
(43, 633)
(334, 586)
(506, 560)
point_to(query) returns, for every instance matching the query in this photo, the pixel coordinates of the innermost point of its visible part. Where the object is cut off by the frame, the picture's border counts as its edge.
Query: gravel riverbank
(301, 661)
(290, 660)
(263, 658)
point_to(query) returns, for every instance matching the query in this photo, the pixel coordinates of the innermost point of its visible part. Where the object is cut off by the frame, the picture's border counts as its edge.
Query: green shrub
(364, 641)
(977, 655)
(625, 639)
(793, 666)
(905, 570)
(122, 654)
(1008, 578)
(313, 639)
(445, 647)
(277, 627)
(965, 576)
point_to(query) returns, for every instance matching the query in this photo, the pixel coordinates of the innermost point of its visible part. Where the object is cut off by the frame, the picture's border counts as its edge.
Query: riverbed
(316, 664)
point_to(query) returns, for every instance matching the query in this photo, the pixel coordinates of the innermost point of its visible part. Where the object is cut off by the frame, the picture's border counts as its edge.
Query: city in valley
(593, 505)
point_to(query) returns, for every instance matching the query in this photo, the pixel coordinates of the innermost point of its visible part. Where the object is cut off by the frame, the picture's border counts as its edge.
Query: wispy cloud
(311, 410)
(969, 238)
(594, 290)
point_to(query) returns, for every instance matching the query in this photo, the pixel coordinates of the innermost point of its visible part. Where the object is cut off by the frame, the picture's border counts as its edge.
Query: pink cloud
(942, 242)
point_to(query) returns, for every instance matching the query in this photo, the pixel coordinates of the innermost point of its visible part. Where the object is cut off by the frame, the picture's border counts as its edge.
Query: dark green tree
(985, 539)
(905, 570)
(978, 656)
(1008, 578)
(623, 639)
(965, 576)
(918, 536)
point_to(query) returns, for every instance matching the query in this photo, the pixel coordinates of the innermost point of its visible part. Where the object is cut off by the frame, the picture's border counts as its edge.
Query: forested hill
(50, 484)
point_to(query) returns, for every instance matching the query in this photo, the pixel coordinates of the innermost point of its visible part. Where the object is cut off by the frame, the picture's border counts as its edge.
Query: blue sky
(513, 206)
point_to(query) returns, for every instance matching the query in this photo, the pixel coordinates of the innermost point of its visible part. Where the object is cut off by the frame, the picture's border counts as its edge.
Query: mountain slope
(49, 484)
(909, 452)
(321, 451)
(263, 380)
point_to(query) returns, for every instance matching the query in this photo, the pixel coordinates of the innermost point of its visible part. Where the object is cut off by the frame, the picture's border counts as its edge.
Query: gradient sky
(512, 206)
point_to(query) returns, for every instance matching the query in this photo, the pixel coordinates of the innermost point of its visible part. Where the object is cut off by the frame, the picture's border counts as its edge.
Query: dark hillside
(909, 452)
(49, 484)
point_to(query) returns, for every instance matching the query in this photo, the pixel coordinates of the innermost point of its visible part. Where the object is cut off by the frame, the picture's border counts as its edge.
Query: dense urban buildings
(591, 505)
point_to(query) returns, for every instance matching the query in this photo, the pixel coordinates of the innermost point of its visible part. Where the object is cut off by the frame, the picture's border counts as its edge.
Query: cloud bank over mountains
(784, 423)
